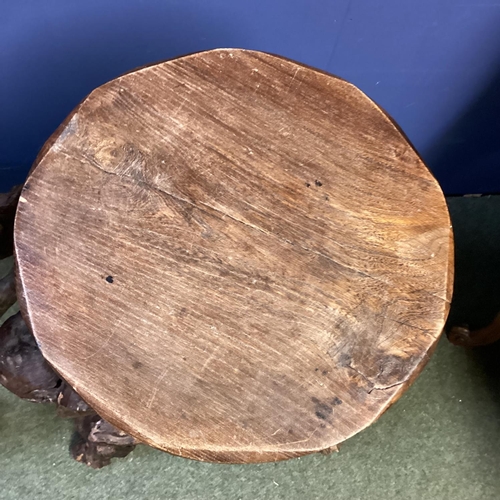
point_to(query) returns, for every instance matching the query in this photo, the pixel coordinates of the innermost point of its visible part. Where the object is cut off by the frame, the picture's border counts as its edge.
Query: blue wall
(434, 65)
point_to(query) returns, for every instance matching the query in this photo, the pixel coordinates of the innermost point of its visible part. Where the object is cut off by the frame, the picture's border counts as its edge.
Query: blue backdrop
(432, 64)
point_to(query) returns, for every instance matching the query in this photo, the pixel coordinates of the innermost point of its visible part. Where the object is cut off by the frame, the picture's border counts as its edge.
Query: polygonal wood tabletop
(234, 257)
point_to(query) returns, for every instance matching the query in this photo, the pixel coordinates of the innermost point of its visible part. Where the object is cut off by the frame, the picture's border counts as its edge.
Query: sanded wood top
(234, 257)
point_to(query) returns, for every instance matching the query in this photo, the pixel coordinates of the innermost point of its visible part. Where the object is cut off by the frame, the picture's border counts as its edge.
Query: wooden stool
(234, 257)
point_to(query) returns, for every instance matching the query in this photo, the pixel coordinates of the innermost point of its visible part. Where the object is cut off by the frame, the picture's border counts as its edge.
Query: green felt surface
(440, 441)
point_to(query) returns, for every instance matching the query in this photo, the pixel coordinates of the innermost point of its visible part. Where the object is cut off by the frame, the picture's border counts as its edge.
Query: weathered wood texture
(234, 257)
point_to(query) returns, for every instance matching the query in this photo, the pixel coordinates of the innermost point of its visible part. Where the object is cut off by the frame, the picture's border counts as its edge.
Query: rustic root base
(96, 442)
(7, 291)
(23, 369)
(8, 205)
(462, 336)
(329, 451)
(26, 373)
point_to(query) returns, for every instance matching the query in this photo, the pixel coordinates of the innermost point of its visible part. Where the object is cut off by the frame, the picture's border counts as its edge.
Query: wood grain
(234, 257)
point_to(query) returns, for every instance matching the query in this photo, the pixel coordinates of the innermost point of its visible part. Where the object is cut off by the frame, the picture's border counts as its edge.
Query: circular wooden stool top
(234, 257)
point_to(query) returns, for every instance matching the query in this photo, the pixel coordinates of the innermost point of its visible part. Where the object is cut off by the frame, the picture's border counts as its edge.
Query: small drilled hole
(109, 279)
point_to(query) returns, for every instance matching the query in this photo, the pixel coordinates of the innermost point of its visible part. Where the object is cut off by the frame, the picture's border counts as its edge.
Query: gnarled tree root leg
(7, 291)
(462, 336)
(96, 442)
(8, 205)
(25, 372)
